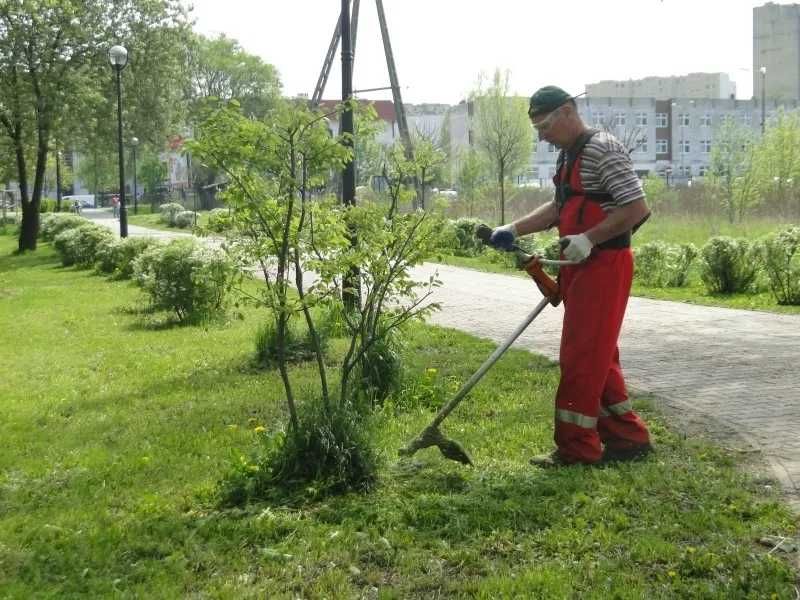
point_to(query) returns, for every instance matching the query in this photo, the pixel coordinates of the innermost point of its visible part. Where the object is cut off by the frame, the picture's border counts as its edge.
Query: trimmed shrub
(116, 258)
(186, 278)
(664, 265)
(78, 246)
(728, 265)
(52, 224)
(185, 218)
(781, 255)
(330, 454)
(169, 211)
(219, 220)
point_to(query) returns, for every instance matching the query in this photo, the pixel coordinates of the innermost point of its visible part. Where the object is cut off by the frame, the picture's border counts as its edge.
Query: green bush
(169, 211)
(330, 454)
(186, 278)
(380, 370)
(79, 245)
(185, 218)
(219, 220)
(659, 264)
(116, 258)
(728, 265)
(461, 239)
(781, 255)
(52, 224)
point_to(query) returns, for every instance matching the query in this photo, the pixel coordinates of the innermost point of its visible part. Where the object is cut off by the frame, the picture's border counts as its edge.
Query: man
(598, 202)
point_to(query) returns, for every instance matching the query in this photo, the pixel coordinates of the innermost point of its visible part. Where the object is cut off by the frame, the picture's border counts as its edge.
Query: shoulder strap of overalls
(566, 160)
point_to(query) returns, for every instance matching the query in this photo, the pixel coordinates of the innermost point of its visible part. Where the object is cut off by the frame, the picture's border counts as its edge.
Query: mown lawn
(673, 230)
(116, 429)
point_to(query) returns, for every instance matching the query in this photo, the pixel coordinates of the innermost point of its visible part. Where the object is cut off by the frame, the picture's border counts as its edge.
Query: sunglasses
(547, 121)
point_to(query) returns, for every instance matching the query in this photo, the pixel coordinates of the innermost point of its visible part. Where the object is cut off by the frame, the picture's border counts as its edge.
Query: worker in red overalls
(598, 202)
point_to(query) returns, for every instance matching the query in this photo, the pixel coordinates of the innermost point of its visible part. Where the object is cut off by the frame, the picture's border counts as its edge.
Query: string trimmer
(431, 435)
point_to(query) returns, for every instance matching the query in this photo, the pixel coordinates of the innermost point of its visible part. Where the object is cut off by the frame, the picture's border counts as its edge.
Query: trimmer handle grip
(547, 285)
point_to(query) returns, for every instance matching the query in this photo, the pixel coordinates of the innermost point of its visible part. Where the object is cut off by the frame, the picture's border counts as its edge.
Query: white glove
(579, 247)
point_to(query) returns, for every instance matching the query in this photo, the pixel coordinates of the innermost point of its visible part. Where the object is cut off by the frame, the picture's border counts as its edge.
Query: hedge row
(183, 276)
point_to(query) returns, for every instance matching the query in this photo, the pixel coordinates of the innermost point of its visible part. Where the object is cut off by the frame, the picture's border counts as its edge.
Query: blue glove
(503, 237)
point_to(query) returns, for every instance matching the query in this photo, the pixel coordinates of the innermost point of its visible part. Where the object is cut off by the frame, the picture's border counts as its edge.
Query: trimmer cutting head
(431, 436)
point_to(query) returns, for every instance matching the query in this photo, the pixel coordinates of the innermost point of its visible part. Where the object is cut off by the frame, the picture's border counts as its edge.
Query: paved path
(740, 369)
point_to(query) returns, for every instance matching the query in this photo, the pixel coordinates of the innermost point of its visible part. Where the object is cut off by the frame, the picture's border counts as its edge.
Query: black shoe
(627, 454)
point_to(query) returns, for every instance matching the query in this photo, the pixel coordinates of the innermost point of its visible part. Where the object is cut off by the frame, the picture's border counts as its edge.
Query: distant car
(85, 200)
(449, 193)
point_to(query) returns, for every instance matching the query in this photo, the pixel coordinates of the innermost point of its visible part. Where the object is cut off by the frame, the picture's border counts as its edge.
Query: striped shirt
(606, 168)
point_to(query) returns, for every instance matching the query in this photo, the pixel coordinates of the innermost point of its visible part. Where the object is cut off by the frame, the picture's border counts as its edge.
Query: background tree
(428, 161)
(52, 60)
(470, 176)
(503, 132)
(732, 176)
(776, 162)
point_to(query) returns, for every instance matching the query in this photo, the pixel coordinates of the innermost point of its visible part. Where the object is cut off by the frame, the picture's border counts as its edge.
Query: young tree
(52, 55)
(777, 162)
(271, 168)
(732, 174)
(503, 132)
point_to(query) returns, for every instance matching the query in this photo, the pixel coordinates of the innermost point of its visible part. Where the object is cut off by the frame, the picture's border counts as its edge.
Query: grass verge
(117, 429)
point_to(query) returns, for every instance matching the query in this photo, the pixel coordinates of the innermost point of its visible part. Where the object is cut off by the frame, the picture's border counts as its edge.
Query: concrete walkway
(733, 370)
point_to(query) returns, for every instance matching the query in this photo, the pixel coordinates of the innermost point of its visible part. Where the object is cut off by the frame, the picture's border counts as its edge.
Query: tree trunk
(502, 195)
(29, 229)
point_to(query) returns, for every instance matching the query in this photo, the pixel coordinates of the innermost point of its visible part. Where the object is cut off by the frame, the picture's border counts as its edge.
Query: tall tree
(503, 133)
(52, 56)
(220, 70)
(469, 177)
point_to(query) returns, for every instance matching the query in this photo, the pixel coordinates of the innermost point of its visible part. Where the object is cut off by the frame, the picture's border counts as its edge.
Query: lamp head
(118, 57)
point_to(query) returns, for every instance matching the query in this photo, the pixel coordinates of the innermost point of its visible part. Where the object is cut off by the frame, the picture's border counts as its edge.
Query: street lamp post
(134, 143)
(58, 181)
(118, 56)
(763, 99)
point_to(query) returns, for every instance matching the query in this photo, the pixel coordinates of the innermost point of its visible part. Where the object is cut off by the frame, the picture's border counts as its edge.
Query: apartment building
(693, 85)
(776, 51)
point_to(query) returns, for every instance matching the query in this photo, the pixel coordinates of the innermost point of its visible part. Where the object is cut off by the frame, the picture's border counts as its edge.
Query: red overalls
(592, 404)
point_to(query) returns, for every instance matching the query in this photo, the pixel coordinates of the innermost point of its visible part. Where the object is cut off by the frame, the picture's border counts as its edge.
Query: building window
(685, 171)
(705, 146)
(747, 119)
(685, 146)
(598, 118)
(683, 119)
(641, 118)
(662, 146)
(641, 145)
(662, 120)
(703, 170)
(551, 148)
(619, 119)
(705, 120)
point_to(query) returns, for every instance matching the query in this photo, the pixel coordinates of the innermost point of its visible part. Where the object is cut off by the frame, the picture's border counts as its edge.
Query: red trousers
(592, 404)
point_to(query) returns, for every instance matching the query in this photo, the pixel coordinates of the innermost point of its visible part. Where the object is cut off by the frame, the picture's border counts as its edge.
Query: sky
(442, 47)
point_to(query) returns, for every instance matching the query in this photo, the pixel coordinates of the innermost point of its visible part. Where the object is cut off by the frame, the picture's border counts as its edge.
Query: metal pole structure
(351, 284)
(763, 100)
(400, 111)
(58, 180)
(123, 212)
(349, 173)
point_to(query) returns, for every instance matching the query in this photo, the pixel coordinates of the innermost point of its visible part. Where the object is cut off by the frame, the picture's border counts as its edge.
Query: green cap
(547, 99)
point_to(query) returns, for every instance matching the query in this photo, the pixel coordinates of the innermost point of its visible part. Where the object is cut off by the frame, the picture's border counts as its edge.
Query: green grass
(117, 428)
(673, 230)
